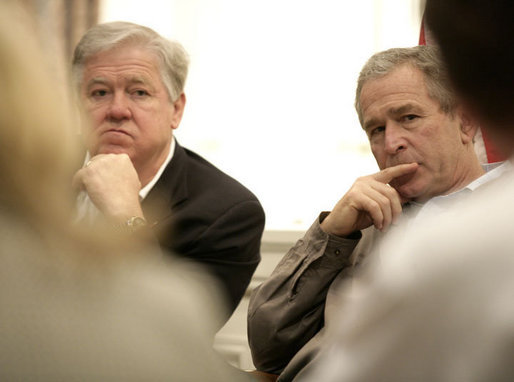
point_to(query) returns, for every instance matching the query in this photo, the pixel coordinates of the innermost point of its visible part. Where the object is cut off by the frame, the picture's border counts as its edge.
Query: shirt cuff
(338, 249)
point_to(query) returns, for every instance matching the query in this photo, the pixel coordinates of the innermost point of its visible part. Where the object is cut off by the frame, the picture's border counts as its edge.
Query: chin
(410, 186)
(112, 149)
(408, 191)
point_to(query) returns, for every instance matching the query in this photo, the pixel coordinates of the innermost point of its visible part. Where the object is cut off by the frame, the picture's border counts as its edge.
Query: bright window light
(271, 89)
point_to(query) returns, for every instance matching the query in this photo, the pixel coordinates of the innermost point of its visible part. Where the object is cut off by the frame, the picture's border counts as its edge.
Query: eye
(140, 93)
(376, 130)
(99, 93)
(410, 117)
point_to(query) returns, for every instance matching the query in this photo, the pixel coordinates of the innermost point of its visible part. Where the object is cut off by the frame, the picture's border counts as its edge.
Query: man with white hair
(130, 82)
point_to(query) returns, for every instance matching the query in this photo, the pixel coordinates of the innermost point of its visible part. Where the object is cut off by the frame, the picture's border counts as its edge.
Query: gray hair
(425, 58)
(172, 56)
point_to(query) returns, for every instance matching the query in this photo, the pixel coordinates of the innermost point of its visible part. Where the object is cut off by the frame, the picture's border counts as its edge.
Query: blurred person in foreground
(130, 82)
(442, 309)
(423, 143)
(74, 304)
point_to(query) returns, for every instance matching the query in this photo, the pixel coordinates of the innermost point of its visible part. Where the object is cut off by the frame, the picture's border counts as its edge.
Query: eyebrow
(139, 80)
(95, 81)
(403, 109)
(369, 123)
(131, 80)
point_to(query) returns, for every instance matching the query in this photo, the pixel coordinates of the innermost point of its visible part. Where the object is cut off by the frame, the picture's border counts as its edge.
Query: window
(271, 88)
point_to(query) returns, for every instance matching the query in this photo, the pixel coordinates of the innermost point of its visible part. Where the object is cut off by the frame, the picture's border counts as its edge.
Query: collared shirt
(441, 207)
(86, 210)
(439, 204)
(146, 189)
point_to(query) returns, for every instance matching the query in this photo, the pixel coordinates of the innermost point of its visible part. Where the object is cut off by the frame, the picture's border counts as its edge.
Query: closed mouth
(117, 131)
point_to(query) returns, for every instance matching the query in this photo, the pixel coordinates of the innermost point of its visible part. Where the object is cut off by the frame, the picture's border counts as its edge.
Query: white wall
(271, 89)
(270, 101)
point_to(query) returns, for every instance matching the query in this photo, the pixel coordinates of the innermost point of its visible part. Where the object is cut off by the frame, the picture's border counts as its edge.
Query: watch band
(133, 224)
(136, 222)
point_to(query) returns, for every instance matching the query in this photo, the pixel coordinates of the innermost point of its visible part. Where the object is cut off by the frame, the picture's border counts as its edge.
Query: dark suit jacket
(204, 215)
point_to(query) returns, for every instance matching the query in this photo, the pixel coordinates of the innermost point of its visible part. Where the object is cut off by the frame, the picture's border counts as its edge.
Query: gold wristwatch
(135, 223)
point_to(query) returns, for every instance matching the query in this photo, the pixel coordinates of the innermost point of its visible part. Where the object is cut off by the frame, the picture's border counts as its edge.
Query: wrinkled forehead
(125, 51)
(403, 82)
(131, 63)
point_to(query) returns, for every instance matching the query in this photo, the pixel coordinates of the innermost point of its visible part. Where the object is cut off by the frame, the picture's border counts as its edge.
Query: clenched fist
(112, 184)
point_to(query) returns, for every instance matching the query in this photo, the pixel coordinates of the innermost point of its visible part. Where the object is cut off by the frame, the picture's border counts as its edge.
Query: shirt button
(337, 252)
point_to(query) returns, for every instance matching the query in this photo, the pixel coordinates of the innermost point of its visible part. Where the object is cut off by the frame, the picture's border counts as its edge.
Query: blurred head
(130, 81)
(409, 113)
(40, 149)
(37, 129)
(478, 50)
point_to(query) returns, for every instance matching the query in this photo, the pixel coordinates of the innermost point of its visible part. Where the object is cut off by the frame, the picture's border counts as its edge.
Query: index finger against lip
(388, 174)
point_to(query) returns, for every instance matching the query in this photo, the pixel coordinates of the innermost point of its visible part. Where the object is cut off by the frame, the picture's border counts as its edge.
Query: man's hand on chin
(112, 184)
(370, 201)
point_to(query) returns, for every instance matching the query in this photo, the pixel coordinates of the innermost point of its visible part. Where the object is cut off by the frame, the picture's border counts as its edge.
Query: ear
(178, 110)
(468, 126)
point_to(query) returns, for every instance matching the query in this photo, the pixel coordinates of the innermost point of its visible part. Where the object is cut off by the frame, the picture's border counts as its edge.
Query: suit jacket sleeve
(287, 310)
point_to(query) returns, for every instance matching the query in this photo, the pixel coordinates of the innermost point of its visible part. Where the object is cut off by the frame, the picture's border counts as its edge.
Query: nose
(119, 109)
(394, 138)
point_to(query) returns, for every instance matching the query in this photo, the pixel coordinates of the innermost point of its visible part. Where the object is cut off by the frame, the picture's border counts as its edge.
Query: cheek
(438, 156)
(380, 157)
(424, 181)
(97, 118)
(96, 114)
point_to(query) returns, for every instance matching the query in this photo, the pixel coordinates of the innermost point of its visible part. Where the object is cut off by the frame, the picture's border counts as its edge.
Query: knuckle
(372, 205)
(362, 179)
